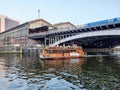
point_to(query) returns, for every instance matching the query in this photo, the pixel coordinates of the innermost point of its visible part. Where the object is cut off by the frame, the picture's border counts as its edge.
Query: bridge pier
(54, 39)
(50, 40)
(45, 40)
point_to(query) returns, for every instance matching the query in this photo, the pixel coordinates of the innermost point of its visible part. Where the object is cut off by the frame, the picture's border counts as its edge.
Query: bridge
(100, 34)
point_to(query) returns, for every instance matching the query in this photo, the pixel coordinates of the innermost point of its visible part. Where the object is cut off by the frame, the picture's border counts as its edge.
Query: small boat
(59, 52)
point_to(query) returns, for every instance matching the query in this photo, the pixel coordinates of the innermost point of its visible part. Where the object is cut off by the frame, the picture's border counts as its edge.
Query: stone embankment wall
(9, 49)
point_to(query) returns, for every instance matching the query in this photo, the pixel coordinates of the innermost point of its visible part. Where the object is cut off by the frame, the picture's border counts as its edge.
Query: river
(28, 72)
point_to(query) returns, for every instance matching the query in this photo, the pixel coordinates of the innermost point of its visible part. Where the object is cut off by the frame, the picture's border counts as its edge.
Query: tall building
(7, 23)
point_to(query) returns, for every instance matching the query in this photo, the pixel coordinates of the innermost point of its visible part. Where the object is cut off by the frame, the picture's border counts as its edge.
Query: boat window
(73, 50)
(51, 51)
(46, 51)
(66, 51)
(58, 51)
(55, 51)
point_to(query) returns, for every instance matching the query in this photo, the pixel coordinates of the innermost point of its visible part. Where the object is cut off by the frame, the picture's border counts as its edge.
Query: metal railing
(61, 30)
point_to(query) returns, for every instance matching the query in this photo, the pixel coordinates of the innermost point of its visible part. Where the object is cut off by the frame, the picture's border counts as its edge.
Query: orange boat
(58, 52)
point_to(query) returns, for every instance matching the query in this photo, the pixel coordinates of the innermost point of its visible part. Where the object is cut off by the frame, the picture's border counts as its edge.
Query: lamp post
(38, 13)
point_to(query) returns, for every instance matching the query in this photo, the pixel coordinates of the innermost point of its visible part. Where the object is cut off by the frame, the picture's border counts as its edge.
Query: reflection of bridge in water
(101, 34)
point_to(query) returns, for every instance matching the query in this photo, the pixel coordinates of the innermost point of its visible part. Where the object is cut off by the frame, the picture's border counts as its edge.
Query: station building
(19, 35)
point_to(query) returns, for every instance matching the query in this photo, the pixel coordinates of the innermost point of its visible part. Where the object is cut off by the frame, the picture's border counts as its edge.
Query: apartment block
(7, 23)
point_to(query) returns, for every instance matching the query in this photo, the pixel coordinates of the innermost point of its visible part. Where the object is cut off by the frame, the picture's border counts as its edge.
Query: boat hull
(57, 52)
(54, 58)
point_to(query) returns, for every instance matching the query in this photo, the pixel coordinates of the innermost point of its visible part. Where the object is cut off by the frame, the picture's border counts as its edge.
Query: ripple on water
(30, 74)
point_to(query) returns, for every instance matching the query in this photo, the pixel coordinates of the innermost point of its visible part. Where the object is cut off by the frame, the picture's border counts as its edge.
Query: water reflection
(28, 72)
(103, 74)
(62, 64)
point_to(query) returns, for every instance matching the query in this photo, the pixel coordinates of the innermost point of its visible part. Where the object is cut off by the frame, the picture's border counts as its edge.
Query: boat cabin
(59, 52)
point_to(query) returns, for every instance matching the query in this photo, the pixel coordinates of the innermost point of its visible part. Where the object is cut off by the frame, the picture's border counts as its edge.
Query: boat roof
(61, 48)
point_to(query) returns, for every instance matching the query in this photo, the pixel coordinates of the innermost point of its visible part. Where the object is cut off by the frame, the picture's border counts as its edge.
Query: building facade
(19, 35)
(7, 23)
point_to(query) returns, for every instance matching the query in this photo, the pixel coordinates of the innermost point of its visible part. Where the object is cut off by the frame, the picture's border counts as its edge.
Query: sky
(54, 11)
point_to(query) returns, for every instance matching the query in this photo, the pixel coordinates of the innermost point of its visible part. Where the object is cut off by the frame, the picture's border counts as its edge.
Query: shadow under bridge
(95, 39)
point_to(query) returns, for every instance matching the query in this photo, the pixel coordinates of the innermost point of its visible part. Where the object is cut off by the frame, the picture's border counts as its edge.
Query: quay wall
(10, 49)
(15, 50)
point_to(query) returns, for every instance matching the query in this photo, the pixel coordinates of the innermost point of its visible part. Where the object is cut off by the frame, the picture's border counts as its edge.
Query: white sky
(55, 11)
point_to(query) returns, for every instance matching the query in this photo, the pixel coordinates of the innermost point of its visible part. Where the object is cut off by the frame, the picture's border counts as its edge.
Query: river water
(28, 72)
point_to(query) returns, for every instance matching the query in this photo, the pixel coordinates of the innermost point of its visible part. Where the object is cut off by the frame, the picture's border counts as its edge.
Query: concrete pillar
(50, 40)
(55, 38)
(58, 38)
(45, 41)
(62, 36)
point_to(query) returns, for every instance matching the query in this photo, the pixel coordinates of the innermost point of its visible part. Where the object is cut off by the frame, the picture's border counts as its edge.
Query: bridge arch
(102, 33)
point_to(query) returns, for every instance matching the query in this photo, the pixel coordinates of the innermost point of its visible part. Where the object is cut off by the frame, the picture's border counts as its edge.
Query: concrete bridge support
(54, 39)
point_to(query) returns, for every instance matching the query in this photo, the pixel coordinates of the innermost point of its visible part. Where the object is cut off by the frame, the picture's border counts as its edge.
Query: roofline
(24, 24)
(64, 23)
(40, 20)
(13, 28)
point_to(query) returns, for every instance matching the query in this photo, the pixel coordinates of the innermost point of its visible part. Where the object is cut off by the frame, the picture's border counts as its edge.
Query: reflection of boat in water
(60, 64)
(58, 52)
